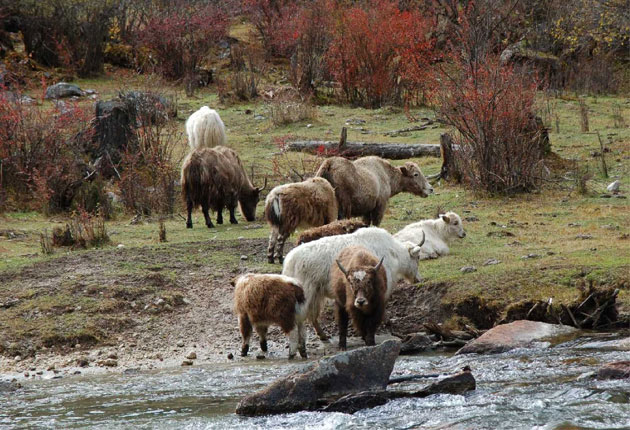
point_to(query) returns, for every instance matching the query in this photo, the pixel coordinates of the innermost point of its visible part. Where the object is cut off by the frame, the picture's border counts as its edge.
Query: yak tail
(273, 210)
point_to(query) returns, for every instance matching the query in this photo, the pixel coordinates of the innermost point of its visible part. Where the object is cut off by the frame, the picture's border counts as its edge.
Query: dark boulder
(63, 90)
(148, 108)
(362, 369)
(9, 386)
(614, 370)
(518, 334)
(113, 133)
(415, 343)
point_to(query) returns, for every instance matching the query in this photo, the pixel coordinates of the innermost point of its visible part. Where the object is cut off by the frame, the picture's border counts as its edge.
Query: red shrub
(379, 53)
(275, 21)
(42, 154)
(182, 36)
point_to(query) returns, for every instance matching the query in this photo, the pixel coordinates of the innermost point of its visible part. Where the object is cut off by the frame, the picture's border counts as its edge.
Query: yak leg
(189, 208)
(376, 216)
(273, 238)
(219, 207)
(314, 320)
(294, 340)
(232, 217)
(301, 329)
(369, 336)
(280, 246)
(206, 215)
(342, 322)
(262, 335)
(246, 332)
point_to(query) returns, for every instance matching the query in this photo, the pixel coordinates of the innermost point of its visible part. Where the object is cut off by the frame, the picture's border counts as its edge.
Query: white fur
(310, 263)
(438, 234)
(359, 275)
(205, 129)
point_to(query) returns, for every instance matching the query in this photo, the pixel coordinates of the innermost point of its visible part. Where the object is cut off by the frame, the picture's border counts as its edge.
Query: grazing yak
(309, 203)
(335, 228)
(263, 300)
(439, 232)
(205, 129)
(214, 178)
(310, 264)
(364, 186)
(359, 283)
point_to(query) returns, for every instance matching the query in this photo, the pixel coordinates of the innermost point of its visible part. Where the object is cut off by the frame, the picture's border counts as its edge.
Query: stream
(521, 389)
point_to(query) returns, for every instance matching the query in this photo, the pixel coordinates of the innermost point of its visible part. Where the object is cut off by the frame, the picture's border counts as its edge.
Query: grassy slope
(539, 222)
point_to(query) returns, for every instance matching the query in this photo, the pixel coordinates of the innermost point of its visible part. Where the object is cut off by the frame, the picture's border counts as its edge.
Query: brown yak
(364, 186)
(214, 178)
(335, 228)
(359, 284)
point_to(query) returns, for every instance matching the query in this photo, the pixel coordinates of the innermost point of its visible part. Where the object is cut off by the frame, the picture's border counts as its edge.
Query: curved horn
(343, 270)
(264, 185)
(423, 238)
(378, 266)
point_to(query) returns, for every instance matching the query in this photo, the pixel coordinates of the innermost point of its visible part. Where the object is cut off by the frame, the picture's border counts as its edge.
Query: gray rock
(362, 369)
(614, 370)
(415, 343)
(468, 269)
(192, 355)
(613, 187)
(491, 262)
(9, 386)
(607, 345)
(530, 256)
(63, 90)
(518, 334)
(187, 363)
(244, 257)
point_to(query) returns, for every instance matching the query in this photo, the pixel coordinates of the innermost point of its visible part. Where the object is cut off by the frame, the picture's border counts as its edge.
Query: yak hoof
(280, 260)
(244, 351)
(291, 356)
(233, 221)
(210, 225)
(303, 353)
(189, 225)
(270, 260)
(263, 346)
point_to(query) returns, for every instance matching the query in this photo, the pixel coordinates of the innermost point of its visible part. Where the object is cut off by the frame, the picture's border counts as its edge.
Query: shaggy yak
(359, 283)
(309, 203)
(364, 186)
(310, 264)
(439, 232)
(335, 228)
(205, 129)
(214, 178)
(263, 300)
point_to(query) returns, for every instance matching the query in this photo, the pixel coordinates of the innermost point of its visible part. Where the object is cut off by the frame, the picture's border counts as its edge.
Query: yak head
(453, 225)
(362, 282)
(413, 181)
(248, 200)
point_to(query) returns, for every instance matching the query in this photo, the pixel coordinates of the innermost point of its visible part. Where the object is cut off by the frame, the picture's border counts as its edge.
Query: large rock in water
(63, 90)
(614, 370)
(362, 369)
(518, 334)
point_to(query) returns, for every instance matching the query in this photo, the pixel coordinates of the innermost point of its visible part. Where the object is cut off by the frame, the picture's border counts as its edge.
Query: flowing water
(522, 389)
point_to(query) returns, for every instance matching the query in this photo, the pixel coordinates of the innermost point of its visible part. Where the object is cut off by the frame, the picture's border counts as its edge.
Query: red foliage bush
(379, 53)
(181, 36)
(42, 154)
(276, 24)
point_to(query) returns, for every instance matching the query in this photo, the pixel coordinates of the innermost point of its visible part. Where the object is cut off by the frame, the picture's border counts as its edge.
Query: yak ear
(343, 269)
(445, 218)
(404, 170)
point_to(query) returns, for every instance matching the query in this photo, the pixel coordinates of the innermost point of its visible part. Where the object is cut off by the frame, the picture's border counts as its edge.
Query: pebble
(187, 363)
(529, 256)
(491, 262)
(584, 236)
(109, 363)
(192, 355)
(260, 357)
(244, 257)
(230, 356)
(113, 356)
(180, 343)
(468, 269)
(613, 187)
(309, 125)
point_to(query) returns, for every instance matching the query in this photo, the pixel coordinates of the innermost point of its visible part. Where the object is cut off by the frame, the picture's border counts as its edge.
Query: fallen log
(392, 151)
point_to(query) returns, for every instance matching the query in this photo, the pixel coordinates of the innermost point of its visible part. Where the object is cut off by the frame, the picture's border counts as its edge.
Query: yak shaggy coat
(333, 229)
(310, 264)
(309, 203)
(205, 129)
(364, 186)
(438, 232)
(264, 300)
(359, 283)
(214, 178)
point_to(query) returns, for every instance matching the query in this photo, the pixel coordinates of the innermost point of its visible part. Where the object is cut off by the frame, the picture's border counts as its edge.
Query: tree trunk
(392, 151)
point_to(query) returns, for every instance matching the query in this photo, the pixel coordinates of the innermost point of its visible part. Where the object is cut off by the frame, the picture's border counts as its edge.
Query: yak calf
(359, 283)
(264, 300)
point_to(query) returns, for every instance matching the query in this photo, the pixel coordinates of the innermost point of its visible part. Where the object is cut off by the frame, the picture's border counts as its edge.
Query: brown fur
(335, 228)
(347, 288)
(264, 300)
(364, 186)
(214, 178)
(309, 203)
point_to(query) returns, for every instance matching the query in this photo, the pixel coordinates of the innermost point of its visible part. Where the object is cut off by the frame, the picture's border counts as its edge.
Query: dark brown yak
(214, 178)
(335, 228)
(359, 283)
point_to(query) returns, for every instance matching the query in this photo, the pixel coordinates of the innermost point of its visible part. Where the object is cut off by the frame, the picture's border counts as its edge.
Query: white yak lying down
(205, 129)
(310, 264)
(438, 233)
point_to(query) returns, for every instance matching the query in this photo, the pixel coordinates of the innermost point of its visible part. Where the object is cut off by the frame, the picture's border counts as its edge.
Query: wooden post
(343, 138)
(601, 147)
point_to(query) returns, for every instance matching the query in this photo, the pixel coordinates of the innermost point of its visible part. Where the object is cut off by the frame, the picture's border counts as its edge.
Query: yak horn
(264, 185)
(378, 266)
(343, 270)
(423, 238)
